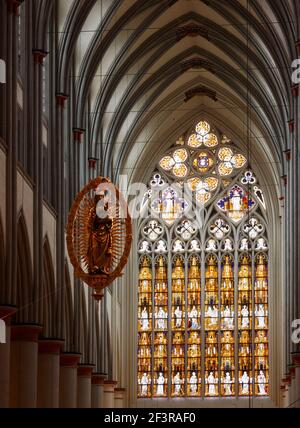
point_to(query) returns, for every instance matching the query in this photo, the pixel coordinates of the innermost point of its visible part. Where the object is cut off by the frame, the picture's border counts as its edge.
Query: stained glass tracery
(203, 310)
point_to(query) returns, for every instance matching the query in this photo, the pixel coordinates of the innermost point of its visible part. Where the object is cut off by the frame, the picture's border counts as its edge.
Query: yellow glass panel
(194, 325)
(195, 141)
(180, 170)
(225, 140)
(226, 183)
(160, 321)
(167, 163)
(212, 183)
(145, 326)
(211, 140)
(180, 142)
(180, 155)
(178, 328)
(238, 161)
(203, 128)
(193, 183)
(225, 168)
(203, 198)
(225, 154)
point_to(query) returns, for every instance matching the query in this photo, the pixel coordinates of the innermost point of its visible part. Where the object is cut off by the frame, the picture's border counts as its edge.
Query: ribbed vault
(136, 62)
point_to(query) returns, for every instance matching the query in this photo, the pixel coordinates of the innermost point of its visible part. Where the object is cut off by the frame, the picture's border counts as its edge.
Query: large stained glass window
(203, 274)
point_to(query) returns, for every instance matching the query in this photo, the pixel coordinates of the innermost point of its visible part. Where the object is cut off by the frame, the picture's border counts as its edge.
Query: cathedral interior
(192, 109)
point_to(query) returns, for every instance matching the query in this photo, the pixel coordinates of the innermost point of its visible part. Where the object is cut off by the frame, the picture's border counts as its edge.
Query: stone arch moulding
(49, 292)
(24, 288)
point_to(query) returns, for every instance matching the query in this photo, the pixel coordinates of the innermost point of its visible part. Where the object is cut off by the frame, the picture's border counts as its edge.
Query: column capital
(26, 332)
(39, 55)
(110, 382)
(296, 358)
(61, 99)
(292, 371)
(288, 155)
(6, 312)
(120, 389)
(77, 134)
(69, 359)
(291, 125)
(13, 5)
(287, 380)
(295, 91)
(285, 180)
(85, 370)
(50, 346)
(98, 378)
(92, 163)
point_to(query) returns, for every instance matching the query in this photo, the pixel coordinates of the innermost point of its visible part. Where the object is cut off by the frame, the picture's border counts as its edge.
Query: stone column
(296, 361)
(84, 385)
(282, 395)
(5, 315)
(120, 398)
(48, 373)
(68, 380)
(292, 386)
(109, 394)
(287, 384)
(24, 365)
(97, 390)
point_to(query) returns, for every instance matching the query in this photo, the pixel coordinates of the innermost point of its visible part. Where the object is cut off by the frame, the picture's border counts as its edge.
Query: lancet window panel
(203, 311)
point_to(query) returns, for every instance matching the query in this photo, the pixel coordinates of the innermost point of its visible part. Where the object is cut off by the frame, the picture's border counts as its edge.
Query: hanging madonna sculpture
(99, 234)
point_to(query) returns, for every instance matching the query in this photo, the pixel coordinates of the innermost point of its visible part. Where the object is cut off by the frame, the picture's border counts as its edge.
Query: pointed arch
(84, 323)
(24, 289)
(69, 313)
(48, 304)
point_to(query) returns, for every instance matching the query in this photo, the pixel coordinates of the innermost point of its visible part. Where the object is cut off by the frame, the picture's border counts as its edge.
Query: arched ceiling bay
(146, 69)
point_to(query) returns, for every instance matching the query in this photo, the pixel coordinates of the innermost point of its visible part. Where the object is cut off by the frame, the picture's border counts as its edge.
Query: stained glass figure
(169, 206)
(145, 325)
(245, 324)
(161, 328)
(236, 204)
(227, 325)
(261, 325)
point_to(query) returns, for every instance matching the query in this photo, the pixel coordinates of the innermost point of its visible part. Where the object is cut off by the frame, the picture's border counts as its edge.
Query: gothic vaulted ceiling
(146, 70)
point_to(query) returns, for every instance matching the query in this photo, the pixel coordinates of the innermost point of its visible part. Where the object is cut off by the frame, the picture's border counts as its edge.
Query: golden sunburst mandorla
(99, 234)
